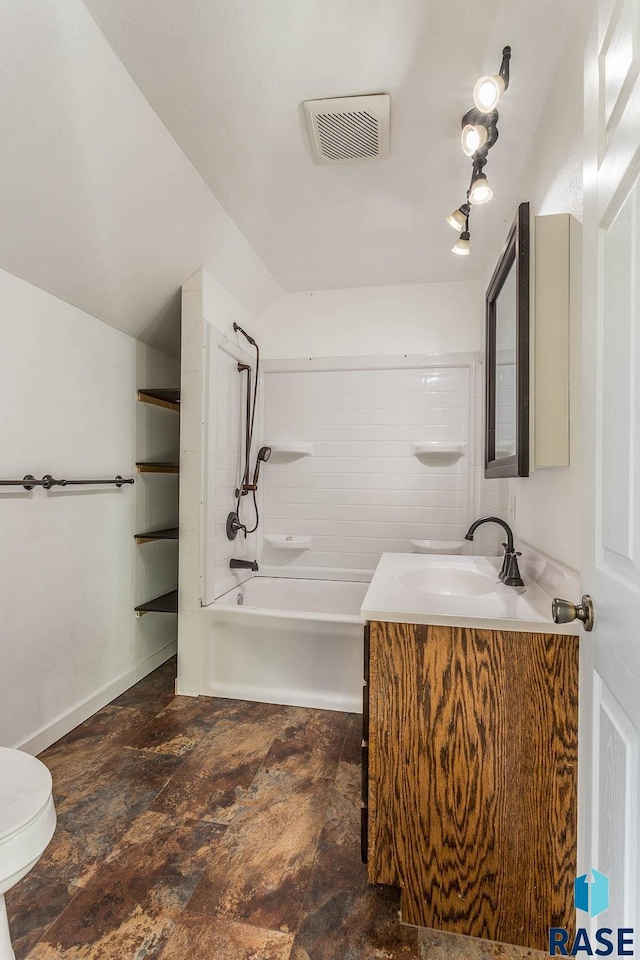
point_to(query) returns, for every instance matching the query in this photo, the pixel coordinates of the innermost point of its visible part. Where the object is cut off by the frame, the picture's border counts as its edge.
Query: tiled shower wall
(363, 491)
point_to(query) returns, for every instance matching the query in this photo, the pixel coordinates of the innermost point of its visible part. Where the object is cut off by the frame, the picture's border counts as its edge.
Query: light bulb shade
(462, 246)
(457, 220)
(480, 191)
(487, 92)
(473, 137)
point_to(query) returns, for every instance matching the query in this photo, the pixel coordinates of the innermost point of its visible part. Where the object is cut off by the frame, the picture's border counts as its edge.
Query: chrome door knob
(563, 611)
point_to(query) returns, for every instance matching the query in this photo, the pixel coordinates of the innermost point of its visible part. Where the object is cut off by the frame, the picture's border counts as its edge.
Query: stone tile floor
(208, 829)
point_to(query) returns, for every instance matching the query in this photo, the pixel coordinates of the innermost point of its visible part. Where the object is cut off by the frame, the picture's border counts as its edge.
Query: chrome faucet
(510, 573)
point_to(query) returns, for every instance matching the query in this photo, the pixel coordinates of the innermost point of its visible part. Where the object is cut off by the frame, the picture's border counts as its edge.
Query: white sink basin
(459, 591)
(447, 580)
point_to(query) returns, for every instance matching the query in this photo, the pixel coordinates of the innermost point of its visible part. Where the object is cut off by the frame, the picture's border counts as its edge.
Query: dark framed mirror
(507, 358)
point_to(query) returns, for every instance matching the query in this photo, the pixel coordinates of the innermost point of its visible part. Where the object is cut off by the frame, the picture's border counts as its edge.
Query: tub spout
(244, 565)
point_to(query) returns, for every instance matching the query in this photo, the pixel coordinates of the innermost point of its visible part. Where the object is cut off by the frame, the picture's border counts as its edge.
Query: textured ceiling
(228, 78)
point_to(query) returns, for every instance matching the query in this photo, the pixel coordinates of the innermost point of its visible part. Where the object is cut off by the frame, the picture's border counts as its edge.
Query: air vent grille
(345, 129)
(349, 136)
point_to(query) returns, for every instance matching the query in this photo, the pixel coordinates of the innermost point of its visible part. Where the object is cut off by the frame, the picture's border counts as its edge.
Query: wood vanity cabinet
(470, 777)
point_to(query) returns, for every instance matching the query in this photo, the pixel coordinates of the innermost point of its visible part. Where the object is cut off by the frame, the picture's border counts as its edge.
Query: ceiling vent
(345, 129)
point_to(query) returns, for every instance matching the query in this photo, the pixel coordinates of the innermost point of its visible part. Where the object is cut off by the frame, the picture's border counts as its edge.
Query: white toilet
(27, 824)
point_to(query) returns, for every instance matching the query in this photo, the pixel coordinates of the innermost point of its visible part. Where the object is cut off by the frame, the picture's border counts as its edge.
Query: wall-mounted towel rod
(29, 482)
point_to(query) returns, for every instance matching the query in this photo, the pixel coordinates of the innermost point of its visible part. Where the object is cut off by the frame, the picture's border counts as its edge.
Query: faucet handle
(511, 553)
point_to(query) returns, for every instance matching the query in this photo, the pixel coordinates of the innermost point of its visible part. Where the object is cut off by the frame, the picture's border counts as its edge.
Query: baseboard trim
(77, 715)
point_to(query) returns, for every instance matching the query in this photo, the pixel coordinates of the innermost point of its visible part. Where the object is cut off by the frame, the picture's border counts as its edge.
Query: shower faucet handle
(234, 526)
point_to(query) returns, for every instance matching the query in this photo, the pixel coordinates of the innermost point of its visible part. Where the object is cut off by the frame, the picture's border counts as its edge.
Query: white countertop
(503, 608)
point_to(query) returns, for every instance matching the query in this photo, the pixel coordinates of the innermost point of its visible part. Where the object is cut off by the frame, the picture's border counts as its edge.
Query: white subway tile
(387, 449)
(332, 417)
(275, 511)
(380, 545)
(355, 561)
(331, 480)
(361, 497)
(337, 544)
(301, 495)
(402, 401)
(362, 433)
(347, 448)
(380, 416)
(273, 479)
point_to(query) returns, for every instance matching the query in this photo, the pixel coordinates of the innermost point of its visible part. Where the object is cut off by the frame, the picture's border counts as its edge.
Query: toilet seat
(27, 814)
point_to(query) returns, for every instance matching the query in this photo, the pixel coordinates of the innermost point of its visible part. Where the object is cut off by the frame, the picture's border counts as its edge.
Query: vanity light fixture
(479, 133)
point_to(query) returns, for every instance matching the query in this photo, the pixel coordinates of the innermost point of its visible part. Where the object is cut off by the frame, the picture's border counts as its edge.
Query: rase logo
(592, 898)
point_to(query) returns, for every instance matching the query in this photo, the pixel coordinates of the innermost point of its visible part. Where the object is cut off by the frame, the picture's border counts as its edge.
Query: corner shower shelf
(283, 541)
(438, 452)
(171, 533)
(287, 450)
(158, 466)
(167, 397)
(167, 603)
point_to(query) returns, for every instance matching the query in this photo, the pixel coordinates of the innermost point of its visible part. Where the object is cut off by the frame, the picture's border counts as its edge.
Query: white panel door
(608, 793)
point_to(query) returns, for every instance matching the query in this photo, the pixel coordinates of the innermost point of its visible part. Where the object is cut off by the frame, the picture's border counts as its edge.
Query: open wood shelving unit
(168, 398)
(157, 466)
(167, 603)
(171, 533)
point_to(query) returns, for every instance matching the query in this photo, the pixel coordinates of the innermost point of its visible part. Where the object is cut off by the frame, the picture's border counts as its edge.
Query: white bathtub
(298, 642)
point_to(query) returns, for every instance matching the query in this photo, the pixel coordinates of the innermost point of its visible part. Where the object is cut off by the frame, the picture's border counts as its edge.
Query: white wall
(104, 208)
(70, 572)
(548, 503)
(426, 318)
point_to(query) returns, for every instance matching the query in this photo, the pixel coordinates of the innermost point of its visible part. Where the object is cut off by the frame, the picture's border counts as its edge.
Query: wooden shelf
(167, 603)
(157, 466)
(171, 533)
(167, 397)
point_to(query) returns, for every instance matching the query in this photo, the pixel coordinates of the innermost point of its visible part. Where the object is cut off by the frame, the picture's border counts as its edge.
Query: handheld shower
(263, 455)
(234, 525)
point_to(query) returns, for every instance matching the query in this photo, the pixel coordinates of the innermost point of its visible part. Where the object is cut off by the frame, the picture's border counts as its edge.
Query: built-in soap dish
(284, 541)
(438, 452)
(439, 546)
(288, 450)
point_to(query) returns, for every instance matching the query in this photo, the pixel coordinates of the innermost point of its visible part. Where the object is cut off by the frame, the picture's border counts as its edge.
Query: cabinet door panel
(472, 778)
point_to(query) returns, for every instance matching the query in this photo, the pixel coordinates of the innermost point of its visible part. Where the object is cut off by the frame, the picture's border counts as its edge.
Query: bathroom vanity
(470, 748)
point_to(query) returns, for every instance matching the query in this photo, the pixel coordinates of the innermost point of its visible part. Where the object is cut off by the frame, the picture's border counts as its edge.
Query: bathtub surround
(70, 572)
(427, 319)
(369, 452)
(208, 391)
(365, 487)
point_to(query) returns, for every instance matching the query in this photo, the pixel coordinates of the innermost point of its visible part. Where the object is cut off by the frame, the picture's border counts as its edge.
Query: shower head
(238, 329)
(264, 453)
